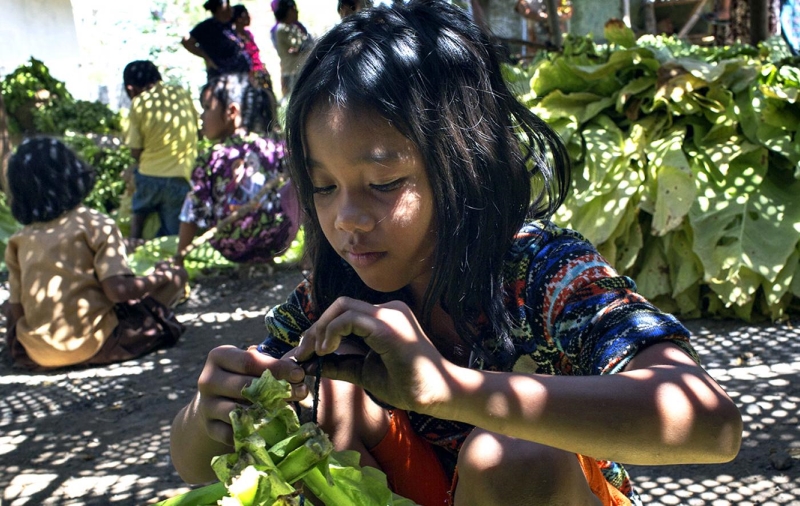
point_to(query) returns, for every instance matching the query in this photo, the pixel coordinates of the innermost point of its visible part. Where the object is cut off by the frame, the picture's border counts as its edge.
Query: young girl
(74, 300)
(472, 350)
(234, 171)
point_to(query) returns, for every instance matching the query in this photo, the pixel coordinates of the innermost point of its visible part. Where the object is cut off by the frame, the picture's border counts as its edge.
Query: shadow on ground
(100, 436)
(759, 366)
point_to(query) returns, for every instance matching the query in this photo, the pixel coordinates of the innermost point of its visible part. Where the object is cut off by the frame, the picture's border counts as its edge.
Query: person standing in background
(162, 136)
(215, 41)
(348, 7)
(291, 40)
(258, 72)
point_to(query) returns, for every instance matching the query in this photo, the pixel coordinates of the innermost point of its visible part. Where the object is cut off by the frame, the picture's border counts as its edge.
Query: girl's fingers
(343, 318)
(220, 431)
(216, 413)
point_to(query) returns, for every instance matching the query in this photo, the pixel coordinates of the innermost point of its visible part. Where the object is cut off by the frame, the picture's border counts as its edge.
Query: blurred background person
(348, 7)
(215, 41)
(291, 40)
(241, 22)
(231, 176)
(162, 136)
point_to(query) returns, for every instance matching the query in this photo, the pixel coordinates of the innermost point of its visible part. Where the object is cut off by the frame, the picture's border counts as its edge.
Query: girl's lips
(363, 259)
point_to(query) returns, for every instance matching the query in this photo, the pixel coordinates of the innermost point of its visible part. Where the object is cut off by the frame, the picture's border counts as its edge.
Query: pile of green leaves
(110, 158)
(76, 116)
(276, 458)
(203, 259)
(8, 226)
(38, 103)
(29, 87)
(686, 167)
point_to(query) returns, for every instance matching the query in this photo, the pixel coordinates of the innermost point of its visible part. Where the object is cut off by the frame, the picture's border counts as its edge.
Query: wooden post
(554, 22)
(697, 12)
(626, 12)
(649, 16)
(759, 21)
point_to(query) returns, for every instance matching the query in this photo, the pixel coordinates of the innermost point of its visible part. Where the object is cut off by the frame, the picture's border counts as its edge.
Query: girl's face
(372, 197)
(217, 119)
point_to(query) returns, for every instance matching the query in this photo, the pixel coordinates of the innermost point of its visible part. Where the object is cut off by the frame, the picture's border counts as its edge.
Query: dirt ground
(100, 436)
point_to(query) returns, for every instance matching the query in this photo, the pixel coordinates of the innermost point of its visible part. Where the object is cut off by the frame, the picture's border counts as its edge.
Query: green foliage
(686, 167)
(30, 86)
(79, 116)
(8, 226)
(109, 158)
(144, 259)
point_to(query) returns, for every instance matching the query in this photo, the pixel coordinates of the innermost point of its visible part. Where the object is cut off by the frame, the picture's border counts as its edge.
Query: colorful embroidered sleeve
(287, 322)
(577, 315)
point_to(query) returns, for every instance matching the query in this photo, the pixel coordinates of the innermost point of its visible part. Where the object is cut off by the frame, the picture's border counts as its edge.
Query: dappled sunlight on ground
(759, 367)
(101, 436)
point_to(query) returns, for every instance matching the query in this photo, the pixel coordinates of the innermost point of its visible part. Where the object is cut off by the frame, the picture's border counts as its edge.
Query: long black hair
(46, 179)
(256, 103)
(435, 75)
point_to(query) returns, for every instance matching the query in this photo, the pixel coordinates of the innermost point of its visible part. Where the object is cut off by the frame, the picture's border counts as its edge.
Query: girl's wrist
(460, 384)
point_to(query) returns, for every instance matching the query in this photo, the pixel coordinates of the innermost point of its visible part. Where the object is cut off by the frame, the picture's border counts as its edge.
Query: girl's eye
(323, 190)
(397, 183)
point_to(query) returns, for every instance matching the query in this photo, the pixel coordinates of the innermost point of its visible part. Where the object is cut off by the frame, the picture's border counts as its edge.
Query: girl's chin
(383, 286)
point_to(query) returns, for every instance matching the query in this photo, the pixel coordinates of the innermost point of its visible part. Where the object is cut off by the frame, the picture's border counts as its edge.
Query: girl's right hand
(227, 371)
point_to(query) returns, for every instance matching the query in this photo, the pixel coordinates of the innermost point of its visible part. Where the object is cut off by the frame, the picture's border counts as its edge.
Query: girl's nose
(353, 216)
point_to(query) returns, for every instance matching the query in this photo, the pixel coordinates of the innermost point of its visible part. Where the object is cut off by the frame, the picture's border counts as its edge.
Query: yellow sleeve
(133, 138)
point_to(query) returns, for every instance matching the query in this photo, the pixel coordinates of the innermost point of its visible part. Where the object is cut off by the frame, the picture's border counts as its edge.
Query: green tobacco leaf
(794, 287)
(653, 277)
(579, 107)
(617, 32)
(604, 184)
(721, 115)
(671, 187)
(778, 293)
(622, 248)
(678, 93)
(745, 228)
(644, 85)
(549, 76)
(619, 61)
(685, 268)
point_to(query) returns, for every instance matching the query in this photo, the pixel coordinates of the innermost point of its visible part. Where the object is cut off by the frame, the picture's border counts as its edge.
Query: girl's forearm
(664, 415)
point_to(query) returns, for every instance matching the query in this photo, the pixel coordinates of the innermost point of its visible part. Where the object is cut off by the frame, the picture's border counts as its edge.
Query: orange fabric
(606, 492)
(425, 482)
(412, 468)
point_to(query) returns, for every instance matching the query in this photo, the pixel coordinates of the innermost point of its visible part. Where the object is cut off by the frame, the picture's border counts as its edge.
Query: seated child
(233, 172)
(472, 350)
(74, 299)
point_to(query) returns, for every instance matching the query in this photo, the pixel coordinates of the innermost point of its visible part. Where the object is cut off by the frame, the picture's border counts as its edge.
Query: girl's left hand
(402, 366)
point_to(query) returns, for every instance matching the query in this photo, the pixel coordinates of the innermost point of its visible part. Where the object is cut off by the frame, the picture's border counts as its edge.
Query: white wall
(44, 29)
